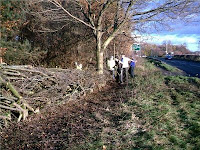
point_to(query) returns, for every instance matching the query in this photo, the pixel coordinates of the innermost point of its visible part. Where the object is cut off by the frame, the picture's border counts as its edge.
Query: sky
(188, 34)
(180, 33)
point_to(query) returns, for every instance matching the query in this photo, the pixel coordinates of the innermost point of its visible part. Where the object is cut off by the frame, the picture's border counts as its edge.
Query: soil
(96, 116)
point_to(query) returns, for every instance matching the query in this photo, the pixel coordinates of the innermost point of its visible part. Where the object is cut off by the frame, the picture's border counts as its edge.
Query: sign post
(136, 47)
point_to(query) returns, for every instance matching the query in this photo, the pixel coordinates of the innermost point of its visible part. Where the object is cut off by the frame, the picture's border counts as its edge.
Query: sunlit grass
(164, 65)
(169, 108)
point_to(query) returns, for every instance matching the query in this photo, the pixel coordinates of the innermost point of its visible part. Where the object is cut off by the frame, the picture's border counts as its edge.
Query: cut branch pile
(26, 89)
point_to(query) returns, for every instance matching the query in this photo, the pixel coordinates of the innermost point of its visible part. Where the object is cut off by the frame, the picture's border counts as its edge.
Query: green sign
(136, 47)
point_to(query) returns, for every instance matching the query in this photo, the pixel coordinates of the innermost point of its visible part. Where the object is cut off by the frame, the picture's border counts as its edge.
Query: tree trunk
(100, 50)
(100, 61)
(99, 53)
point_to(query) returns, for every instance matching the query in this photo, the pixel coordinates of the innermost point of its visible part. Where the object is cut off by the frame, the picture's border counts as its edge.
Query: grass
(169, 109)
(164, 65)
(153, 112)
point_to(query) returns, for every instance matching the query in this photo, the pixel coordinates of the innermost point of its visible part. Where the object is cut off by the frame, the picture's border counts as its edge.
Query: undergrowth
(153, 112)
(22, 53)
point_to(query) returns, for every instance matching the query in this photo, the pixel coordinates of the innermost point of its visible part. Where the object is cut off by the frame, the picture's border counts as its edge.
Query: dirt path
(99, 118)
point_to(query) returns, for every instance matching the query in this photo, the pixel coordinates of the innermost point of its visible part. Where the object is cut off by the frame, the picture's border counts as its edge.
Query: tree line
(149, 49)
(87, 31)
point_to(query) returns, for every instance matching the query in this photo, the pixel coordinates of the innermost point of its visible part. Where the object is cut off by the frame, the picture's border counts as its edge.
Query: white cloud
(190, 40)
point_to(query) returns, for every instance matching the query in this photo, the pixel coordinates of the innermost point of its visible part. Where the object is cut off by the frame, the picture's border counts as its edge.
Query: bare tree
(52, 15)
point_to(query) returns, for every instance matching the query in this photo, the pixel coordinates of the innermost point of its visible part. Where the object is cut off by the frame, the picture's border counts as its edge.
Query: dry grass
(152, 112)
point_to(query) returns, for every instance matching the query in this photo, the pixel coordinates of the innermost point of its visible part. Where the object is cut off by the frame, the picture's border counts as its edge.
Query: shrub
(21, 53)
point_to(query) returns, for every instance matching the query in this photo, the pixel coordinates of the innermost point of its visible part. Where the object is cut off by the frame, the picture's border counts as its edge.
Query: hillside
(47, 104)
(153, 112)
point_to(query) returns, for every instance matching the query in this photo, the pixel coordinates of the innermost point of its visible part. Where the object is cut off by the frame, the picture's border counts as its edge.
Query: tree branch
(68, 13)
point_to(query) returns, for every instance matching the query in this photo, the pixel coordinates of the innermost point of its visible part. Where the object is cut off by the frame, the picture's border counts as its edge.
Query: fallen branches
(25, 89)
(13, 105)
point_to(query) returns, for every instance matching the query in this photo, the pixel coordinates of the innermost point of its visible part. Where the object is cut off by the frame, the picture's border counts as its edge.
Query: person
(125, 66)
(132, 67)
(118, 67)
(111, 65)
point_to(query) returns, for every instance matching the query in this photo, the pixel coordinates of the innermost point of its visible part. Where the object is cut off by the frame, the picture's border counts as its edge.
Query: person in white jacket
(125, 66)
(111, 66)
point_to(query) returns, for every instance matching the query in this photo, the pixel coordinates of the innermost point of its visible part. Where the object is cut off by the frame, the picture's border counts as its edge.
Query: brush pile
(27, 89)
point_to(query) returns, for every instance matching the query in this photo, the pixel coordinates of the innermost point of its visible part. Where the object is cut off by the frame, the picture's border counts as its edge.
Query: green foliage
(21, 53)
(11, 18)
(11, 21)
(9, 10)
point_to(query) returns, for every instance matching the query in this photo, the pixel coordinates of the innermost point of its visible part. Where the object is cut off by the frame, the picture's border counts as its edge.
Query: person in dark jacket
(118, 67)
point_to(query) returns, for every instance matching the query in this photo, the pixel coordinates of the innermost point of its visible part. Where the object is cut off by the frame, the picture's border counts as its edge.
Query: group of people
(120, 68)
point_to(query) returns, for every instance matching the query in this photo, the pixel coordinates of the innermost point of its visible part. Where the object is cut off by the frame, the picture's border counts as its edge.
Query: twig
(9, 108)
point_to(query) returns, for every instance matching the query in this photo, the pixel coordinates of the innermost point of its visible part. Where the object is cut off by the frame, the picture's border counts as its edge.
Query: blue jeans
(132, 71)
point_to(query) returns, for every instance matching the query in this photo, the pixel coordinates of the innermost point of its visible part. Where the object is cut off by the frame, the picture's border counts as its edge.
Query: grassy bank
(153, 112)
(164, 66)
(169, 109)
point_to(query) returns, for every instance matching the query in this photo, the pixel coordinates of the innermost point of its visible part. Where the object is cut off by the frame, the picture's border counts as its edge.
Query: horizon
(179, 32)
(191, 41)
